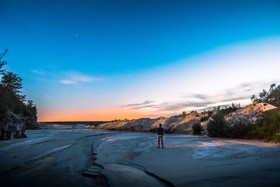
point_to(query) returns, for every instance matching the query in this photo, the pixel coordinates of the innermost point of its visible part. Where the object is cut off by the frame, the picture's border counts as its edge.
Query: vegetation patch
(216, 126)
(197, 129)
(268, 128)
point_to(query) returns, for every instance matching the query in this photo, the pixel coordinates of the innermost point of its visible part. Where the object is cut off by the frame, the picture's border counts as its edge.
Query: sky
(116, 59)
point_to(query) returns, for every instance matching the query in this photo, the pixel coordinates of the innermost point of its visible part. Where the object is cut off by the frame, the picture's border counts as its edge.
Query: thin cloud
(65, 81)
(145, 104)
(75, 78)
(38, 72)
(245, 84)
(140, 104)
(197, 101)
(243, 87)
(172, 107)
(240, 92)
(82, 78)
(67, 78)
(232, 99)
(183, 105)
(248, 90)
(200, 96)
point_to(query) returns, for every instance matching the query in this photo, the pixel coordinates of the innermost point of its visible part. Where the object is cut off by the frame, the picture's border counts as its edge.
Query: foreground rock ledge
(60, 155)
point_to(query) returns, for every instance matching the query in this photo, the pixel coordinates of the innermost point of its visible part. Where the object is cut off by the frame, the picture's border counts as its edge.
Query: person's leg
(162, 141)
(158, 141)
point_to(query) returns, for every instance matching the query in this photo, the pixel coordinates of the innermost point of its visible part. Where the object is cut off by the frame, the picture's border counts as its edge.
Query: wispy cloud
(65, 81)
(75, 78)
(81, 78)
(238, 93)
(38, 72)
(145, 104)
(200, 96)
(67, 78)
(183, 105)
(243, 91)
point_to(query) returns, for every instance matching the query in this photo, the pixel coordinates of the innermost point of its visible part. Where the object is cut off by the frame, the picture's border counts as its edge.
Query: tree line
(272, 96)
(11, 97)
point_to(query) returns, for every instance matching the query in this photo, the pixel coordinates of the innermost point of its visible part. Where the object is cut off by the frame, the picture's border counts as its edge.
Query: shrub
(197, 128)
(228, 110)
(154, 129)
(204, 119)
(216, 126)
(268, 128)
(238, 129)
(169, 131)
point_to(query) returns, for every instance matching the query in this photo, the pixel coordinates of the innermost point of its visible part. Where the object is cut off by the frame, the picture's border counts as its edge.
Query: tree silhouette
(2, 62)
(272, 96)
(12, 82)
(11, 98)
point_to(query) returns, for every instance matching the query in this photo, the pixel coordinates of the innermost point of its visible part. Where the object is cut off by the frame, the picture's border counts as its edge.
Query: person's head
(160, 124)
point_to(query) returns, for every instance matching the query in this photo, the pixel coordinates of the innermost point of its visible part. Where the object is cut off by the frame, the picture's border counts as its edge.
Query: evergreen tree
(11, 98)
(272, 96)
(197, 128)
(217, 127)
(2, 62)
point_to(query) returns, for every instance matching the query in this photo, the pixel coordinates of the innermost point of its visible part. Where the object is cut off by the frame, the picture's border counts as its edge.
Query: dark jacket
(160, 131)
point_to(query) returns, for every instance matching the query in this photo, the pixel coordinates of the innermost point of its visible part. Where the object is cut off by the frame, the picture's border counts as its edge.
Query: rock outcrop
(173, 124)
(249, 114)
(30, 122)
(14, 126)
(183, 123)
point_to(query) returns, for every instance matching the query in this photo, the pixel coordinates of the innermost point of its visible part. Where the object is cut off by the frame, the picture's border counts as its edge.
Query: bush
(169, 131)
(216, 126)
(228, 110)
(238, 129)
(204, 119)
(268, 128)
(197, 128)
(154, 130)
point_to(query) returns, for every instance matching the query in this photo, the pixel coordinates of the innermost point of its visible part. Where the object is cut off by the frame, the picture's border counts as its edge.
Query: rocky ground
(76, 156)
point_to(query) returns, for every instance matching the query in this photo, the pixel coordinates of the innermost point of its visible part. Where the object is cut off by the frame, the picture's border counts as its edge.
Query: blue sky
(100, 60)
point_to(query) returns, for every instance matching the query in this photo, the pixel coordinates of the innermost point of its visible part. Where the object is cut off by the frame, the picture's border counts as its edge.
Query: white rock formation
(183, 123)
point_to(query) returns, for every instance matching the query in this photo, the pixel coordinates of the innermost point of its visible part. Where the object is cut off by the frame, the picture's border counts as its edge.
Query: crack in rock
(127, 174)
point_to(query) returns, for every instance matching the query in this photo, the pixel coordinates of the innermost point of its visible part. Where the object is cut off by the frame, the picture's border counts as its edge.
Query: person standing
(160, 134)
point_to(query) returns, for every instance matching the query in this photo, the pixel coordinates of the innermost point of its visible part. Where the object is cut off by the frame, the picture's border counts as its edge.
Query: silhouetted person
(160, 134)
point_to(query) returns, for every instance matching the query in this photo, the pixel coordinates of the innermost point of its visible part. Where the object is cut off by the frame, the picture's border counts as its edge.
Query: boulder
(12, 126)
(30, 122)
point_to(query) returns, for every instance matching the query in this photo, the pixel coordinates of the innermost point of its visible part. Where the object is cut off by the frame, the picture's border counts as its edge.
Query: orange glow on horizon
(90, 116)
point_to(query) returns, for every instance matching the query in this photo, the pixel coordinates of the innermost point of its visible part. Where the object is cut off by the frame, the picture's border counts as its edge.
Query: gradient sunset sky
(116, 59)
